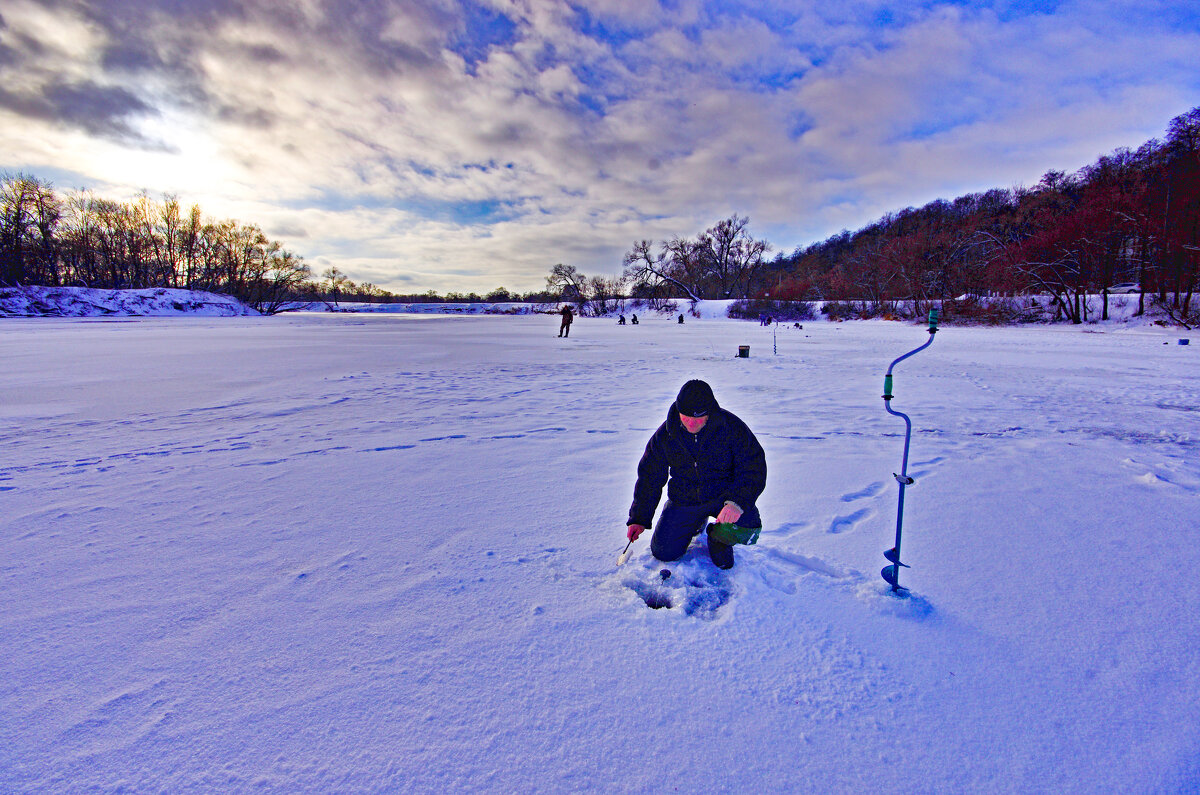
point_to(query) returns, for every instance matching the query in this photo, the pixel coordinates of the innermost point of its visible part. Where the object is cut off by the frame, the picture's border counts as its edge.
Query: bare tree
(644, 267)
(28, 214)
(275, 280)
(335, 284)
(731, 256)
(78, 241)
(48, 209)
(605, 293)
(191, 245)
(567, 282)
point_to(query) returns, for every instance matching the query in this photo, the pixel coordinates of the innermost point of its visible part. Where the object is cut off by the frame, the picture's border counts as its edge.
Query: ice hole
(655, 598)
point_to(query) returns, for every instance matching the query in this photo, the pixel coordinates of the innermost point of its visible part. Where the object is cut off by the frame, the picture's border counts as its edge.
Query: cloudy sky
(462, 145)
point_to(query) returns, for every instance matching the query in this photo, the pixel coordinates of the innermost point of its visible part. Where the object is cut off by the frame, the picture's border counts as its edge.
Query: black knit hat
(695, 399)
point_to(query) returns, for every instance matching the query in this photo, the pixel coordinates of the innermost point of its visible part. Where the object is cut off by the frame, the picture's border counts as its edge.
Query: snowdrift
(87, 302)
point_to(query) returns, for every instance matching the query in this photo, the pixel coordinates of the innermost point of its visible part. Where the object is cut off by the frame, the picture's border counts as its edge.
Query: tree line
(335, 286)
(723, 261)
(84, 240)
(1131, 217)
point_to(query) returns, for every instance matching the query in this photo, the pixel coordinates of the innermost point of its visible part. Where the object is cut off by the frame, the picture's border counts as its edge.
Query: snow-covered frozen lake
(361, 553)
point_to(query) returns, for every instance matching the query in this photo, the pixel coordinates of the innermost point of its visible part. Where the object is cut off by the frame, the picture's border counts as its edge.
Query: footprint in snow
(796, 564)
(541, 554)
(842, 524)
(790, 528)
(870, 491)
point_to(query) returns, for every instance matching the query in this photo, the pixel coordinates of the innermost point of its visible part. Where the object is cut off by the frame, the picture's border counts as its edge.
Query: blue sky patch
(483, 29)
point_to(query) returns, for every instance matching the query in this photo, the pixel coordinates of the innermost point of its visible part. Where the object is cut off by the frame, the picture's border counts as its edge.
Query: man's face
(693, 424)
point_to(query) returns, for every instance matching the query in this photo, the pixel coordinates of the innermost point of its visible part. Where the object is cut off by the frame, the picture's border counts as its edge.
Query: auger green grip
(933, 319)
(887, 386)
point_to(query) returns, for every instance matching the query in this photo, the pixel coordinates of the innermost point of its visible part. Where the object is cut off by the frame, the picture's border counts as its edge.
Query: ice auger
(891, 572)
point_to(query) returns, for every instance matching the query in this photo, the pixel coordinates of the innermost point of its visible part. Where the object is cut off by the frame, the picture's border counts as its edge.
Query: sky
(464, 145)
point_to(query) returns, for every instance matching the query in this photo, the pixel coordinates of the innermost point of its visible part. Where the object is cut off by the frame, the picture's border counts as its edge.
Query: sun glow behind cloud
(463, 145)
(189, 157)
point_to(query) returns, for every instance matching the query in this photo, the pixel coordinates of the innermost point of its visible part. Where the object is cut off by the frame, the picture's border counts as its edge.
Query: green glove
(730, 533)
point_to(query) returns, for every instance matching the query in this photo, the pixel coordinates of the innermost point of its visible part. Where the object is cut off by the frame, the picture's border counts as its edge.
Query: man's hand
(634, 531)
(729, 514)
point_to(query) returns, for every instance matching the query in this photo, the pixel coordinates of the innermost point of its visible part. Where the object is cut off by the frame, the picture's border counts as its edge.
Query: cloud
(104, 111)
(450, 140)
(44, 78)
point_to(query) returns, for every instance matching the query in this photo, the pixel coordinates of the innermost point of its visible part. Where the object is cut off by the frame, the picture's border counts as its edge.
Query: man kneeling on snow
(716, 468)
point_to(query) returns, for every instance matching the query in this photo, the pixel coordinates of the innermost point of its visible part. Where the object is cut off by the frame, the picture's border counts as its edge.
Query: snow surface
(89, 302)
(354, 553)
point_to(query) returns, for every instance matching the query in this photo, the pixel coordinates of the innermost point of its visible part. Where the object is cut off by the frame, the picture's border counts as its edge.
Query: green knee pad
(730, 533)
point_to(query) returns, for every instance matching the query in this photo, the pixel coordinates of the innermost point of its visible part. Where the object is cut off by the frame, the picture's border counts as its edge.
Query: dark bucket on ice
(743, 351)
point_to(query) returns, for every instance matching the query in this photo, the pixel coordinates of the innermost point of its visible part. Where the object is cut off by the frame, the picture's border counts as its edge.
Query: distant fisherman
(564, 329)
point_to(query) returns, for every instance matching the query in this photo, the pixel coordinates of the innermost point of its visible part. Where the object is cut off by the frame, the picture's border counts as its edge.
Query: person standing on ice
(712, 466)
(564, 328)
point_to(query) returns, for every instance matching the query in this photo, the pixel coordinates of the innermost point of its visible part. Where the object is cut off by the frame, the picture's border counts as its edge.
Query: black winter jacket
(722, 462)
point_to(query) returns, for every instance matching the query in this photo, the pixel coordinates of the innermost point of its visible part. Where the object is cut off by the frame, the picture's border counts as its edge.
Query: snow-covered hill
(86, 302)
